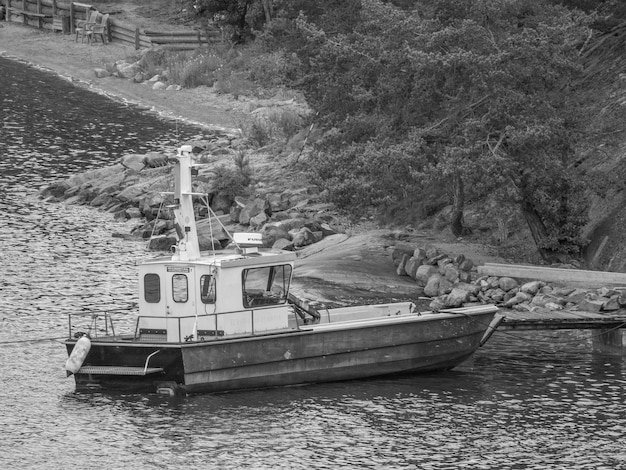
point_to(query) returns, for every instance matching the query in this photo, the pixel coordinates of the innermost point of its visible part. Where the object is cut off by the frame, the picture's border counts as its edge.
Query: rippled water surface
(530, 400)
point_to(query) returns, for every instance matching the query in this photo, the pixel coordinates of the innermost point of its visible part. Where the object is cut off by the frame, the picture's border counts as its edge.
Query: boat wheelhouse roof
(230, 258)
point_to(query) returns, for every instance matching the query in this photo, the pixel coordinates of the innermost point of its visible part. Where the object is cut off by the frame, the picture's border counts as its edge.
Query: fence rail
(66, 17)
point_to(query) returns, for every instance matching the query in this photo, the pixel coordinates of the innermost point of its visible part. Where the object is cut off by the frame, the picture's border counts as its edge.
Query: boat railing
(94, 324)
(208, 326)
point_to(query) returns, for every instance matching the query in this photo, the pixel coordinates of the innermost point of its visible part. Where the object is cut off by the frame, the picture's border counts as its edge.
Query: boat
(224, 320)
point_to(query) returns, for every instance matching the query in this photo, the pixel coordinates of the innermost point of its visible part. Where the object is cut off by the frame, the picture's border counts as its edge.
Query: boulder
(531, 287)
(162, 243)
(423, 273)
(283, 244)
(445, 286)
(451, 273)
(466, 265)
(271, 233)
(411, 266)
(591, 305)
(611, 305)
(507, 283)
(456, 298)
(432, 286)
(518, 299)
(252, 209)
(305, 237)
(399, 250)
(101, 73)
(401, 268)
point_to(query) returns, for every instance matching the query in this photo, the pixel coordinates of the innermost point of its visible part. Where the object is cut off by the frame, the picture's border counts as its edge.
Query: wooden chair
(99, 28)
(83, 27)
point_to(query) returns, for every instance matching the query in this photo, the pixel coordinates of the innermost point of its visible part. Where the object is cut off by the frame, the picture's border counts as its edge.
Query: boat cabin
(224, 294)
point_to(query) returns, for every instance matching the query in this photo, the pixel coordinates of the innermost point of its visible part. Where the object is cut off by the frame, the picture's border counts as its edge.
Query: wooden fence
(65, 17)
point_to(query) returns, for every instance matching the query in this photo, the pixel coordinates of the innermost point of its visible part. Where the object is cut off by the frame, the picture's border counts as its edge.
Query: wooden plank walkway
(578, 277)
(561, 320)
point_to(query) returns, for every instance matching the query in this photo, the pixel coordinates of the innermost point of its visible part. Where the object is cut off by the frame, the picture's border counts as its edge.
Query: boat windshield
(268, 285)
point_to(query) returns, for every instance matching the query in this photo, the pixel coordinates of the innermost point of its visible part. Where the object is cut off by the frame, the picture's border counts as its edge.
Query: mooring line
(40, 340)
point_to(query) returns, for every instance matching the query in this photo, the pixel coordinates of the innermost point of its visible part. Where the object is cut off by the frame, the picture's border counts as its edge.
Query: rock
(271, 233)
(154, 160)
(507, 283)
(553, 306)
(125, 70)
(133, 161)
(159, 86)
(399, 250)
(258, 220)
(611, 305)
(432, 252)
(564, 291)
(445, 286)
(497, 295)
(451, 273)
(432, 286)
(456, 298)
(420, 255)
(458, 259)
(133, 213)
(411, 266)
(401, 268)
(531, 287)
(252, 209)
(493, 282)
(466, 265)
(162, 243)
(590, 305)
(437, 304)
(101, 73)
(518, 299)
(423, 274)
(622, 298)
(283, 244)
(305, 237)
(206, 243)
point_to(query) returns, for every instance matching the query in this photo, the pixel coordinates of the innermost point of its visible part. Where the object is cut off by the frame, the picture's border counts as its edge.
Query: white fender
(79, 353)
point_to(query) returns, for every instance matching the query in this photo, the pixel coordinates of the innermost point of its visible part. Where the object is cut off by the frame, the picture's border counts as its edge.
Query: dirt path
(62, 55)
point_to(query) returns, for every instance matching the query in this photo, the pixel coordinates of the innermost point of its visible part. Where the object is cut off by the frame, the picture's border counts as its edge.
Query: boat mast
(187, 247)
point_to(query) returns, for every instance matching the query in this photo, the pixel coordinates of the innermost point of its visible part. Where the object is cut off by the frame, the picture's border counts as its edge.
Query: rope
(41, 340)
(212, 214)
(155, 223)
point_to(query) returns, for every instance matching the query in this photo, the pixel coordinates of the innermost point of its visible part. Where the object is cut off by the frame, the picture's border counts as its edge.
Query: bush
(193, 70)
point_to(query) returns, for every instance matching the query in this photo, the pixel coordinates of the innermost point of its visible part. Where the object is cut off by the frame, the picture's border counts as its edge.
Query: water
(530, 400)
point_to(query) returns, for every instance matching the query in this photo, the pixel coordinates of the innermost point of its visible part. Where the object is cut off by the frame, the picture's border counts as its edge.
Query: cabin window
(180, 289)
(152, 288)
(266, 286)
(207, 289)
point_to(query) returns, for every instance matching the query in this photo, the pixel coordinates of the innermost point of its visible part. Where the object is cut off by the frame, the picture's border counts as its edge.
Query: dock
(561, 320)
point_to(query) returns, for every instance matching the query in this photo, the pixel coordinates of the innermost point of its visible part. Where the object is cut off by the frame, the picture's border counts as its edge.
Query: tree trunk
(458, 205)
(539, 232)
(267, 8)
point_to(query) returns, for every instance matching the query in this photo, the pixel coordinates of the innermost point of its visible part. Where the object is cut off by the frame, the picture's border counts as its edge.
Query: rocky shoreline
(294, 219)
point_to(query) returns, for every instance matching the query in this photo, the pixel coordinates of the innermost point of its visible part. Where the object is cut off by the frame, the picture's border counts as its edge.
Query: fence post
(72, 12)
(136, 39)
(6, 10)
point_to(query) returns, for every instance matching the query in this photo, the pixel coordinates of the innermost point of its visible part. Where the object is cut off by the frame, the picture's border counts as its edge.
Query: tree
(480, 95)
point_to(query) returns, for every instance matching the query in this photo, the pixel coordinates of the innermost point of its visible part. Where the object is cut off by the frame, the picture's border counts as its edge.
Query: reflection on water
(530, 400)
